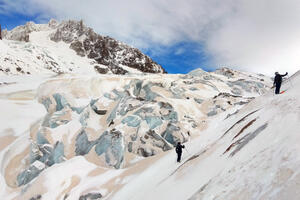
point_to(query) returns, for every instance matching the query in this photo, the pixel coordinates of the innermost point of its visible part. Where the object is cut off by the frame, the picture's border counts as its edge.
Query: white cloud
(18, 6)
(261, 36)
(254, 35)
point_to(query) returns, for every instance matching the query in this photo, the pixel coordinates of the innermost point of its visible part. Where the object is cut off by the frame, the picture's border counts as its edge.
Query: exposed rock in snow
(226, 72)
(30, 49)
(90, 196)
(105, 50)
(22, 33)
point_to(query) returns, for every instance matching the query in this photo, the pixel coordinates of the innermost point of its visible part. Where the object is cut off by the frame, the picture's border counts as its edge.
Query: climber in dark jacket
(179, 151)
(278, 81)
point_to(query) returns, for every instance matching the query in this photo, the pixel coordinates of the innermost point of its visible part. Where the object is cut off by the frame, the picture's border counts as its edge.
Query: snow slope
(41, 56)
(109, 135)
(252, 155)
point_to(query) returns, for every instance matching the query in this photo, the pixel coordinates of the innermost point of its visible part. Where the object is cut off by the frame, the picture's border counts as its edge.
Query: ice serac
(142, 116)
(99, 133)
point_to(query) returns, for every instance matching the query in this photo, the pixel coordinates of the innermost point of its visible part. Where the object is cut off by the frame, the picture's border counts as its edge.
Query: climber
(277, 81)
(179, 151)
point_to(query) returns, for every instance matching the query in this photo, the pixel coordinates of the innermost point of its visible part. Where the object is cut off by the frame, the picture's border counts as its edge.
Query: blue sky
(13, 20)
(9, 19)
(182, 58)
(260, 36)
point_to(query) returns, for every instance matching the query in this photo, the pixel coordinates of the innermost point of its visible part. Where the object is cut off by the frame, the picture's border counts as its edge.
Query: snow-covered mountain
(73, 128)
(77, 136)
(68, 47)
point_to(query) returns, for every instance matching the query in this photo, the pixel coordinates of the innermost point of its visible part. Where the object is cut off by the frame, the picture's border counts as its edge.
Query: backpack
(177, 149)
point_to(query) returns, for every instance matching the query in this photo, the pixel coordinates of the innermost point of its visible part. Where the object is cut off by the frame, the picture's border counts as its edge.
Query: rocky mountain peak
(53, 23)
(68, 31)
(104, 49)
(225, 71)
(21, 33)
(103, 53)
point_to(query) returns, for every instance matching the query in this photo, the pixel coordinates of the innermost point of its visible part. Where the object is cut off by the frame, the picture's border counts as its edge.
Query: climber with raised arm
(278, 81)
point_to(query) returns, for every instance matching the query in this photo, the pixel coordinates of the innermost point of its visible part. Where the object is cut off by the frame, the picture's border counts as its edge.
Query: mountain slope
(68, 47)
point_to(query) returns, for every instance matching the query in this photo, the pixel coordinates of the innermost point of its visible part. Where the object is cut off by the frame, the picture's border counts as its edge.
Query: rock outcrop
(105, 50)
(101, 53)
(22, 33)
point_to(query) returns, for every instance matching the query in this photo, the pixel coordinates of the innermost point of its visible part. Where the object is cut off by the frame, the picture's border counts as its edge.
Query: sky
(260, 36)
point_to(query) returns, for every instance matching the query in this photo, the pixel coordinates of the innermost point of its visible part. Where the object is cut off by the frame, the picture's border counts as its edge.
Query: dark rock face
(104, 50)
(101, 70)
(37, 197)
(225, 72)
(90, 196)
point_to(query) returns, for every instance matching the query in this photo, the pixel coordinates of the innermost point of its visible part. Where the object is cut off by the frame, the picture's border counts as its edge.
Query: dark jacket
(278, 78)
(179, 148)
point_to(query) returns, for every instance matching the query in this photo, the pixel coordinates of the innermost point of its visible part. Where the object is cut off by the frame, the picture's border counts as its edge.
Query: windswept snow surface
(246, 149)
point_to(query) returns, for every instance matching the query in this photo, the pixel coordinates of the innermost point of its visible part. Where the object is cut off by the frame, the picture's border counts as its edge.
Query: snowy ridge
(107, 135)
(21, 33)
(68, 47)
